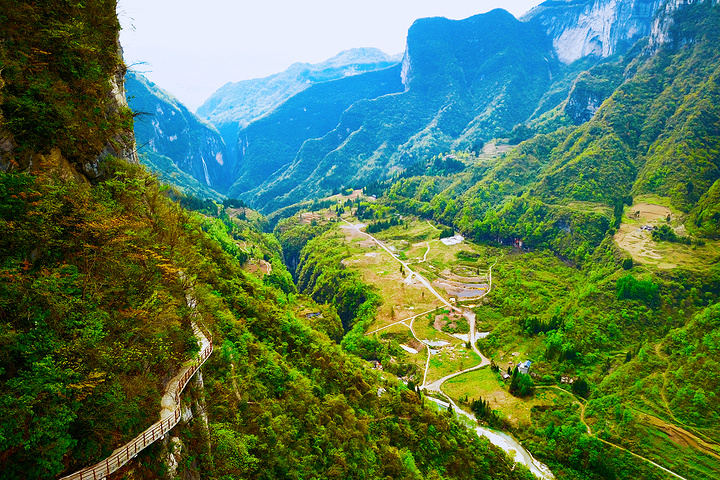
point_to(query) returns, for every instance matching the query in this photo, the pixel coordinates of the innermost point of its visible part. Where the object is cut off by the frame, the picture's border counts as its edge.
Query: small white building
(525, 367)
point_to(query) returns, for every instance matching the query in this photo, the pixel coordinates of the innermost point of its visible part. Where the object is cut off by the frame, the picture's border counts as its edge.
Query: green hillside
(568, 212)
(95, 317)
(654, 135)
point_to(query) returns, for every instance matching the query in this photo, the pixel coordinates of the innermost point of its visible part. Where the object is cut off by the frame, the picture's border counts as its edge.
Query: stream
(504, 441)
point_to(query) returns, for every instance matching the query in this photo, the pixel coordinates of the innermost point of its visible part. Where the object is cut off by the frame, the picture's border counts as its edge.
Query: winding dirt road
(436, 385)
(467, 313)
(406, 266)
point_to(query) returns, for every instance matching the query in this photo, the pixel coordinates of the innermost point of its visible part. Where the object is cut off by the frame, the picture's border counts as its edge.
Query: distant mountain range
(359, 117)
(236, 105)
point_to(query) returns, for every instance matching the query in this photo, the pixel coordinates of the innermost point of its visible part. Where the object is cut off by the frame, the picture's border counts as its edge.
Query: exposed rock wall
(165, 126)
(62, 104)
(599, 28)
(663, 22)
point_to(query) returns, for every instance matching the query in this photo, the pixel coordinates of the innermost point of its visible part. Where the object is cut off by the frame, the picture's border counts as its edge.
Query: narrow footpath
(583, 403)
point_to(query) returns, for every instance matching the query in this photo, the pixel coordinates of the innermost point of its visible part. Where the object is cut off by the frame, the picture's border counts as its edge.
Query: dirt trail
(680, 436)
(402, 322)
(674, 431)
(405, 265)
(642, 458)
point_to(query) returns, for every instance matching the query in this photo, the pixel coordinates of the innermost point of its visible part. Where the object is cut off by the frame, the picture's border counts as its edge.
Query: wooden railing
(127, 452)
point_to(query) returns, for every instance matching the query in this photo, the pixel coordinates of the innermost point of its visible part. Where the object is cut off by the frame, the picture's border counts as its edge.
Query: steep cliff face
(665, 25)
(62, 102)
(601, 28)
(164, 126)
(591, 89)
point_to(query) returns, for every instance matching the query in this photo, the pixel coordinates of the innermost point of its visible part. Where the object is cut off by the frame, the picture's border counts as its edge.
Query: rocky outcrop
(582, 105)
(600, 28)
(591, 89)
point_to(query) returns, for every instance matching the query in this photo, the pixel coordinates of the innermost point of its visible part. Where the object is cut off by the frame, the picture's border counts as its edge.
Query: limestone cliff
(662, 31)
(601, 28)
(165, 127)
(62, 103)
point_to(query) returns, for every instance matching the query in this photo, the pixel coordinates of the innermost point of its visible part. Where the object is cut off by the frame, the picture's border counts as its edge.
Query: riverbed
(504, 441)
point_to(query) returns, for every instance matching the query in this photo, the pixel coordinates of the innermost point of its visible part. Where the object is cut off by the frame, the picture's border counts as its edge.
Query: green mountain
(107, 282)
(236, 105)
(270, 144)
(183, 149)
(601, 230)
(465, 81)
(654, 135)
(584, 178)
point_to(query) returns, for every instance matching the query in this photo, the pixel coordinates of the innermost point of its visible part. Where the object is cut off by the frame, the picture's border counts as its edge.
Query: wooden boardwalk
(169, 417)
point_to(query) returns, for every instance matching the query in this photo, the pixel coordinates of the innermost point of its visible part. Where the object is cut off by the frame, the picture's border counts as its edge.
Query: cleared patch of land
(450, 359)
(258, 267)
(635, 237)
(487, 385)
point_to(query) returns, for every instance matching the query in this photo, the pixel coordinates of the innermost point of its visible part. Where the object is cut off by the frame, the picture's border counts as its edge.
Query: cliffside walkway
(170, 414)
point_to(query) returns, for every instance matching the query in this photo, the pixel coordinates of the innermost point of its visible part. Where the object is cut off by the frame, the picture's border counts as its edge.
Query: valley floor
(437, 332)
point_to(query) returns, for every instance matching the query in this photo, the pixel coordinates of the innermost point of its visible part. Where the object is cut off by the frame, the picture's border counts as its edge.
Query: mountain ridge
(174, 142)
(237, 104)
(456, 95)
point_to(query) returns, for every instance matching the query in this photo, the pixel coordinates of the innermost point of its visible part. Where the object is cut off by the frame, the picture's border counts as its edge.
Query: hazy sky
(191, 48)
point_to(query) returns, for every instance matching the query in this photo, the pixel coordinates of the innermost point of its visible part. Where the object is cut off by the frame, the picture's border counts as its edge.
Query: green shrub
(630, 288)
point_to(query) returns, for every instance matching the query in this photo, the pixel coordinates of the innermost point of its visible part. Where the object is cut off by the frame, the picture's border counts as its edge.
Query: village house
(524, 367)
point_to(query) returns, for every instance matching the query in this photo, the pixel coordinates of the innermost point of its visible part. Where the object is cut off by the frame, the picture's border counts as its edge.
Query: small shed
(525, 367)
